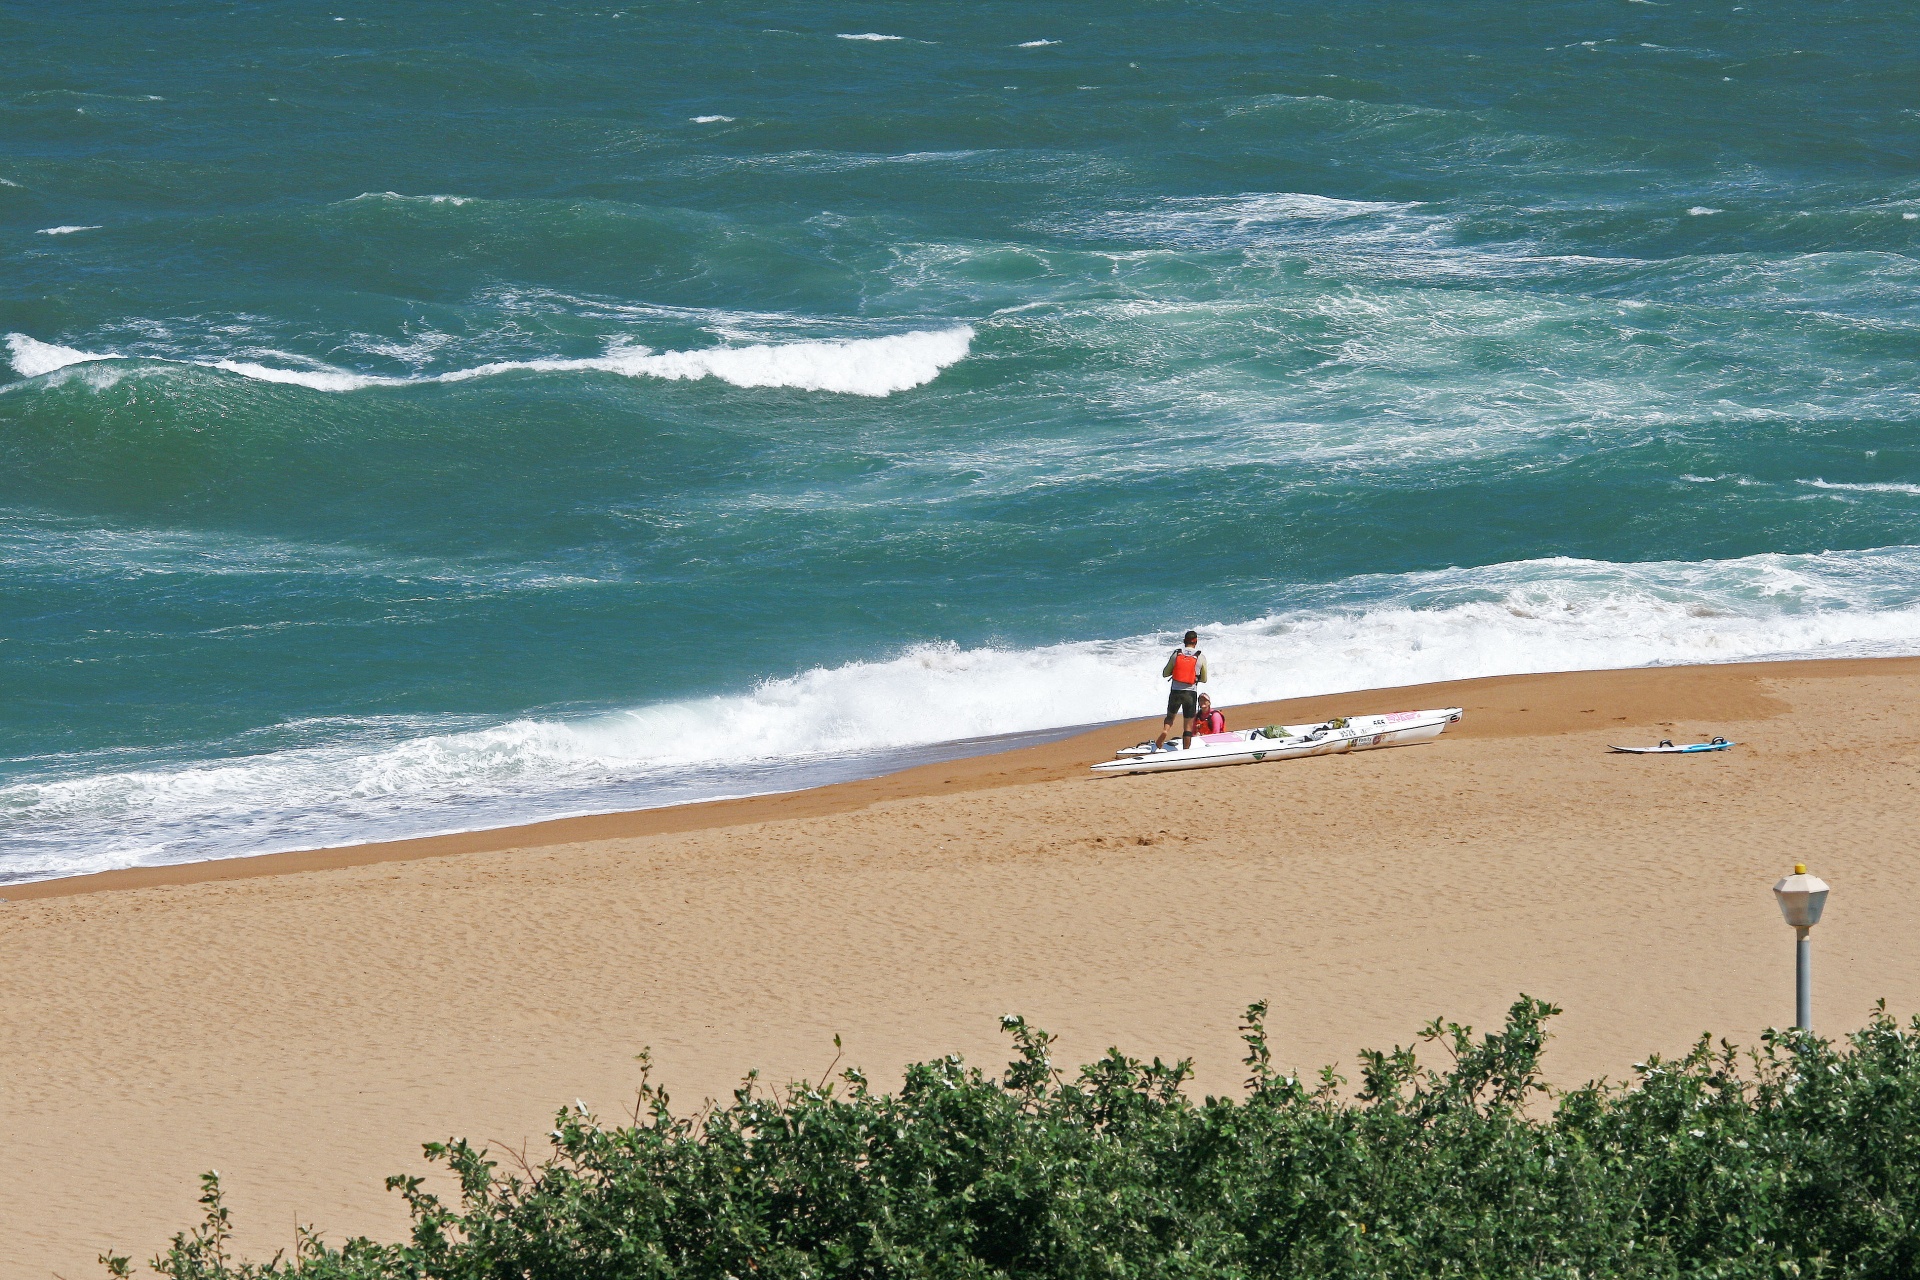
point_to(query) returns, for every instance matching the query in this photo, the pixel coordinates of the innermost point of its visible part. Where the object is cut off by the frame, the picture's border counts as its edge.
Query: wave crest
(858, 366)
(32, 358)
(847, 366)
(378, 780)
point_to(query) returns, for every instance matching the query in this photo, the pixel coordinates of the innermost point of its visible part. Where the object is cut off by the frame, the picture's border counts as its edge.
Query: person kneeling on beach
(1187, 669)
(1208, 721)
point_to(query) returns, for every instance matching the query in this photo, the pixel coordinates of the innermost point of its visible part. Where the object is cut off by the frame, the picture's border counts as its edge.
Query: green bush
(1802, 1159)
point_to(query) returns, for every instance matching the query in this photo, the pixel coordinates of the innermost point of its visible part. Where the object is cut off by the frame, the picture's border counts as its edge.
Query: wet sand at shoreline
(302, 1022)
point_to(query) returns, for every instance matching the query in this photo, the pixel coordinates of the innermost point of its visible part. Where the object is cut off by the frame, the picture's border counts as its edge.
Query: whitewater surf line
(347, 780)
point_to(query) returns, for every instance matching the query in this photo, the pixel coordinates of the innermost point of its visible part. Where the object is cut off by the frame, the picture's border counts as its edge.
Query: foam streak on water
(853, 366)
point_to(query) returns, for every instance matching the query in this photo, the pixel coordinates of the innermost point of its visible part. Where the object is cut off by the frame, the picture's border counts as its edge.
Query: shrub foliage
(1801, 1158)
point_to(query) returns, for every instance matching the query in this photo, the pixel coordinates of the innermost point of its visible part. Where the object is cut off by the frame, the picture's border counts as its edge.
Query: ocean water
(420, 417)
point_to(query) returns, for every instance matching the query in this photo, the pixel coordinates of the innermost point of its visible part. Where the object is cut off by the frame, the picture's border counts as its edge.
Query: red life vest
(1212, 722)
(1185, 667)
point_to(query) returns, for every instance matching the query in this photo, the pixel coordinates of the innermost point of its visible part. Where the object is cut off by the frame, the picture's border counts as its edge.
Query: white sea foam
(711, 119)
(869, 35)
(426, 199)
(857, 366)
(317, 379)
(727, 322)
(1376, 239)
(846, 162)
(1254, 208)
(1035, 44)
(31, 357)
(63, 231)
(1702, 211)
(1329, 226)
(850, 366)
(1375, 631)
(1865, 487)
(39, 544)
(863, 366)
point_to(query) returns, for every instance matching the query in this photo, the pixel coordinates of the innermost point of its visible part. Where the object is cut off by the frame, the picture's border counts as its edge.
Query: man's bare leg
(1166, 727)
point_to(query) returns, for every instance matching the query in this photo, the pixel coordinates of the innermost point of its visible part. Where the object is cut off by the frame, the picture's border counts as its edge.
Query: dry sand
(302, 1022)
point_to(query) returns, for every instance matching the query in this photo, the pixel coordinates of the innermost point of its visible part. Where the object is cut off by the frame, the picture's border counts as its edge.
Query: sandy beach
(302, 1022)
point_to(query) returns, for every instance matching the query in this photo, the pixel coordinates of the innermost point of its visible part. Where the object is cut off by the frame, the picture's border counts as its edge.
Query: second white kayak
(1286, 742)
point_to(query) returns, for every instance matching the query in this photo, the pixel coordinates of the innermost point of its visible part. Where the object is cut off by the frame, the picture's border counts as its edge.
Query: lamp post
(1802, 898)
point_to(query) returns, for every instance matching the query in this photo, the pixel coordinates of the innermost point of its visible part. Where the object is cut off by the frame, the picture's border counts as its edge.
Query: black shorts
(1183, 702)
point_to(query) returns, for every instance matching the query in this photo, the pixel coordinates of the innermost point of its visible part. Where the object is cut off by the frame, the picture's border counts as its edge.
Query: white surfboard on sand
(1286, 742)
(1668, 749)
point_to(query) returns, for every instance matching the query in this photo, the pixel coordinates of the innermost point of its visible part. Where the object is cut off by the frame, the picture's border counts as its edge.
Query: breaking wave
(850, 366)
(1863, 487)
(32, 357)
(370, 780)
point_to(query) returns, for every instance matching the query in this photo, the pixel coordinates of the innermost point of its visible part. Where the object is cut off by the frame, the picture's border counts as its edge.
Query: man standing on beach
(1187, 668)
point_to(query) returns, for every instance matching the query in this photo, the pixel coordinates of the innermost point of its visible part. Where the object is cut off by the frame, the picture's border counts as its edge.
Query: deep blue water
(519, 411)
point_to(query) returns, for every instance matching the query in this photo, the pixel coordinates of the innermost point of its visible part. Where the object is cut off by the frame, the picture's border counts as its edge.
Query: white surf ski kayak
(1668, 749)
(1285, 742)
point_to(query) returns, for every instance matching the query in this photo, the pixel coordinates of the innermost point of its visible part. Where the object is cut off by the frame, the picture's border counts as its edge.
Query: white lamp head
(1801, 897)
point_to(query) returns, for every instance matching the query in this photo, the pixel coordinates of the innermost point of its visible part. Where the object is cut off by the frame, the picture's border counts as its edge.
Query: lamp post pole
(1803, 978)
(1802, 898)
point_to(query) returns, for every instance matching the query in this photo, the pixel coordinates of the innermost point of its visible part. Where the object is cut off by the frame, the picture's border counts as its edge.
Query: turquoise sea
(432, 415)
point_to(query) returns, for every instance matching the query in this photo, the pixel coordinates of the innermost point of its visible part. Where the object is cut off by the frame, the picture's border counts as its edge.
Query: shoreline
(1054, 760)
